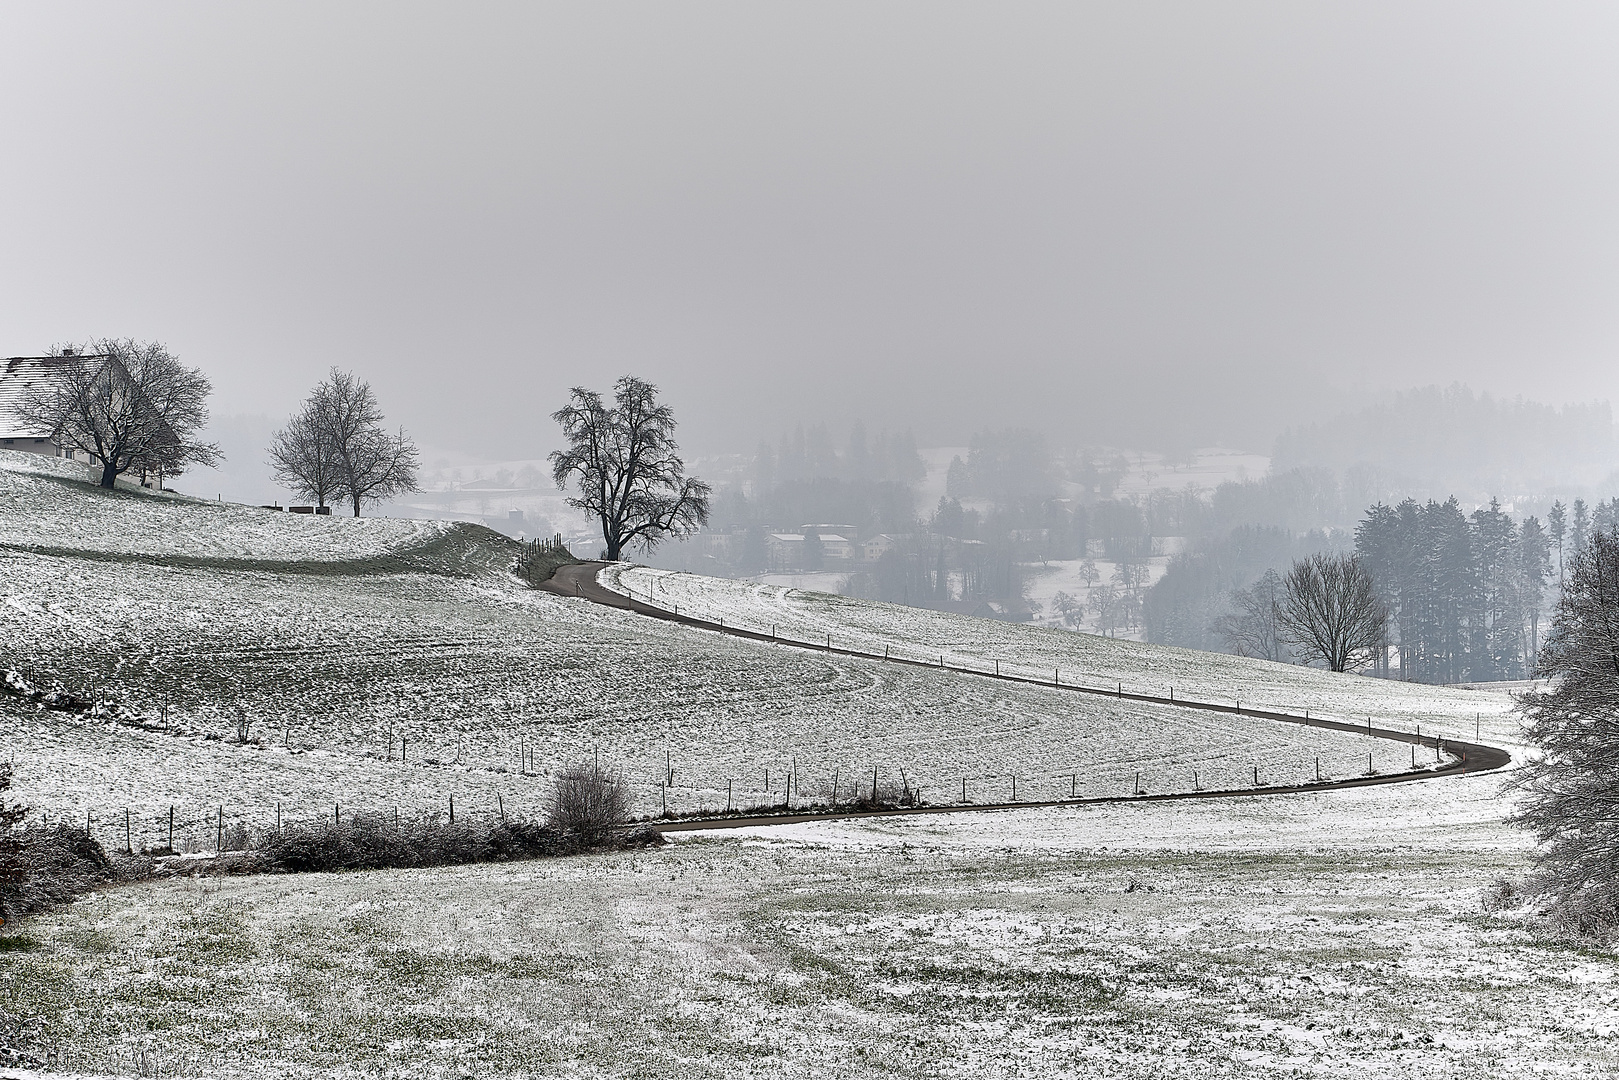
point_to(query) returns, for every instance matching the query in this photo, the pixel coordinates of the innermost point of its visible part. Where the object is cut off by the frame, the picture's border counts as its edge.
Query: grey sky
(1084, 217)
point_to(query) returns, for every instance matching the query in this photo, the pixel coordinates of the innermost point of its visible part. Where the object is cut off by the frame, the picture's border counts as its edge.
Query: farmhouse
(20, 376)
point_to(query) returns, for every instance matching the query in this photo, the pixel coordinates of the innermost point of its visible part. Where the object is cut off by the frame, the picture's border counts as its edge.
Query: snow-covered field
(1317, 935)
(44, 503)
(1332, 935)
(1079, 658)
(486, 687)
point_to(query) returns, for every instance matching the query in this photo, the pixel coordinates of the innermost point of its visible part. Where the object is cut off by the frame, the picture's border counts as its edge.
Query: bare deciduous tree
(628, 473)
(337, 447)
(1255, 629)
(1331, 611)
(302, 457)
(131, 406)
(1572, 788)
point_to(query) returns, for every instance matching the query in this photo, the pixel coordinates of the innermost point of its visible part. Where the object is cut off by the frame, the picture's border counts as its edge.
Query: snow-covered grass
(1116, 944)
(486, 687)
(1083, 659)
(1335, 935)
(47, 504)
(473, 674)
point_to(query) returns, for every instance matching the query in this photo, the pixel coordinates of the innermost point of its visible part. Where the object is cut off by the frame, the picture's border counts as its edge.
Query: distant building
(875, 548)
(835, 547)
(20, 376)
(835, 543)
(786, 550)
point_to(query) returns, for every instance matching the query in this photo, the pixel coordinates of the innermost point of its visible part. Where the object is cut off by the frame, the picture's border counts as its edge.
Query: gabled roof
(18, 376)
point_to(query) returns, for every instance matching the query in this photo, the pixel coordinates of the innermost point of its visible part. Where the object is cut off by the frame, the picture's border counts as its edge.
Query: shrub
(42, 867)
(373, 842)
(589, 806)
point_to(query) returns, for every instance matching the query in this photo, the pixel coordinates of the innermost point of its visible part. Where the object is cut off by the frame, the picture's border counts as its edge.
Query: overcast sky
(1092, 219)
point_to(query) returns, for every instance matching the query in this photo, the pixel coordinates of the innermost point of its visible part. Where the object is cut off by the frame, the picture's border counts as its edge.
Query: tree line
(1465, 593)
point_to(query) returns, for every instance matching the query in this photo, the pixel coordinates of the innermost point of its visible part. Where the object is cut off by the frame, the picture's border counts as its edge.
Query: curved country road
(580, 580)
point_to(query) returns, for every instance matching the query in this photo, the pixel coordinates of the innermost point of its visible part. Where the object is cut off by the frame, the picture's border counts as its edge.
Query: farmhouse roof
(19, 375)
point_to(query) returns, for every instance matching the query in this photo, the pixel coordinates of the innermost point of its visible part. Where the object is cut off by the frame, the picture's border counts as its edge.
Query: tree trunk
(356, 506)
(109, 475)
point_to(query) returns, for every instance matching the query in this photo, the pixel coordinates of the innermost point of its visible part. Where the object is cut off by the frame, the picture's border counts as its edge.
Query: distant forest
(1453, 470)
(1434, 442)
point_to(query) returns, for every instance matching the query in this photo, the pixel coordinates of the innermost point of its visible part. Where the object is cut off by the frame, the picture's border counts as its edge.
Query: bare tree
(336, 446)
(1069, 608)
(302, 458)
(1571, 789)
(129, 405)
(629, 475)
(1255, 629)
(1104, 604)
(1331, 611)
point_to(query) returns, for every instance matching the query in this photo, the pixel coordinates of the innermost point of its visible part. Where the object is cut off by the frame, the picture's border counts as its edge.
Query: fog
(1138, 224)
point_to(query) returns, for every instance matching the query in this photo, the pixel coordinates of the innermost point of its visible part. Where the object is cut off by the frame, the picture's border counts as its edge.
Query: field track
(580, 580)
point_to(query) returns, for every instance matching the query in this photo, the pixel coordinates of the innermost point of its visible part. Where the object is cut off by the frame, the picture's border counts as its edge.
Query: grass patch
(541, 559)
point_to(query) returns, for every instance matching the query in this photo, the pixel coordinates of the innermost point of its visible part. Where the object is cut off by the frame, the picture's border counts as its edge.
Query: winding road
(580, 580)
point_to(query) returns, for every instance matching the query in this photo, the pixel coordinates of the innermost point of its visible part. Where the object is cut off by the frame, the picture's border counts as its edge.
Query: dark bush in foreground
(589, 806)
(41, 867)
(368, 842)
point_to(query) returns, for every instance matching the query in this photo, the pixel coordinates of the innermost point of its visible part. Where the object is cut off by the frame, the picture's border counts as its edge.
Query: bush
(372, 842)
(42, 867)
(588, 806)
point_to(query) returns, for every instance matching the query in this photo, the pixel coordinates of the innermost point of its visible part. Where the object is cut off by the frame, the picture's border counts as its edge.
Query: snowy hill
(259, 659)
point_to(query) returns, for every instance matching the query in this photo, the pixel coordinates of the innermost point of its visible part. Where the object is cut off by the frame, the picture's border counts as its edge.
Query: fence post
(219, 835)
(502, 804)
(129, 843)
(874, 784)
(1138, 785)
(727, 796)
(964, 791)
(452, 809)
(1256, 776)
(1195, 785)
(171, 827)
(1318, 770)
